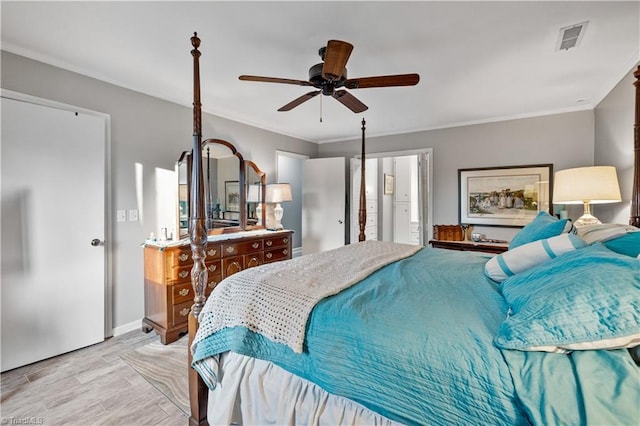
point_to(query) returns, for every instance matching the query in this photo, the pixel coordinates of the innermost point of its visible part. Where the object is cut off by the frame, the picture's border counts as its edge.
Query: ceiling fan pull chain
(321, 109)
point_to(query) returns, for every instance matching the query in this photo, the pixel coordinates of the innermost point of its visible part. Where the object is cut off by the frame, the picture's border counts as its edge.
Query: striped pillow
(603, 232)
(526, 256)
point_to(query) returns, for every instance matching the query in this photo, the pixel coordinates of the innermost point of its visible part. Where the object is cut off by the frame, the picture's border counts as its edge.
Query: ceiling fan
(331, 74)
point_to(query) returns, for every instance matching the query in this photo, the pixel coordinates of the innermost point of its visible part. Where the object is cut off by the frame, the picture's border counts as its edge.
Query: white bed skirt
(255, 392)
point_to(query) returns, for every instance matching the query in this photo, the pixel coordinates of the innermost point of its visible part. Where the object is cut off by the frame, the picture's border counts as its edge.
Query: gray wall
(145, 131)
(614, 145)
(566, 140)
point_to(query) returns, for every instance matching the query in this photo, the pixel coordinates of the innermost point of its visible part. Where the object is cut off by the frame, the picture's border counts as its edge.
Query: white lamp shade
(595, 185)
(278, 192)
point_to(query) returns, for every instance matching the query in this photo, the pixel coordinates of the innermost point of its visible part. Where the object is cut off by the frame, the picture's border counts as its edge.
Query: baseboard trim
(127, 327)
(296, 252)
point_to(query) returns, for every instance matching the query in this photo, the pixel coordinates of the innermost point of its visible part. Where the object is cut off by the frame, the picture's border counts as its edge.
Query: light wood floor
(85, 387)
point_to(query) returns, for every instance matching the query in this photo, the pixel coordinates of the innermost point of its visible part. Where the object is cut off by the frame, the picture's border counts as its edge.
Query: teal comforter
(414, 342)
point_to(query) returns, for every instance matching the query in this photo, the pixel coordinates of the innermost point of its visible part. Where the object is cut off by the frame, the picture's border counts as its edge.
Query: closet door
(323, 204)
(53, 206)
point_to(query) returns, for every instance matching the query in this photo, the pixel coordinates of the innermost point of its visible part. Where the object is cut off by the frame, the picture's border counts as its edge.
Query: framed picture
(389, 184)
(231, 196)
(504, 196)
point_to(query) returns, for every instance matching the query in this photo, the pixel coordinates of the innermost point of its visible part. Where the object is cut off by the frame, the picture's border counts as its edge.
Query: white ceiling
(478, 61)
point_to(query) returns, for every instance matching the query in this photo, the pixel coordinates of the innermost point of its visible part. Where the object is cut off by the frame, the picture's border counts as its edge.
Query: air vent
(570, 36)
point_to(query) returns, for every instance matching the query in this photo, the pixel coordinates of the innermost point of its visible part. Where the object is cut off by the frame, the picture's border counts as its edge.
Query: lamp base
(586, 219)
(278, 211)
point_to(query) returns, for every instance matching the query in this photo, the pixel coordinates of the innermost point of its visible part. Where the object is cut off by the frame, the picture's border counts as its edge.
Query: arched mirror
(256, 183)
(223, 169)
(233, 189)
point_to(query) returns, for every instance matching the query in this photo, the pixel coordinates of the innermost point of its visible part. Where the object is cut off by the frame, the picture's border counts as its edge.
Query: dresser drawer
(177, 257)
(179, 274)
(231, 265)
(181, 312)
(275, 242)
(213, 251)
(182, 293)
(252, 260)
(234, 249)
(282, 253)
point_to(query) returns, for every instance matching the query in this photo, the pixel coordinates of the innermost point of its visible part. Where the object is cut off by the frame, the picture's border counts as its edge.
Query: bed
(379, 333)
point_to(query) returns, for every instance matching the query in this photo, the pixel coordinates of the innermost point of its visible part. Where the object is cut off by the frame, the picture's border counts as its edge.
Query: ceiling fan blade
(294, 103)
(274, 80)
(335, 59)
(350, 101)
(382, 81)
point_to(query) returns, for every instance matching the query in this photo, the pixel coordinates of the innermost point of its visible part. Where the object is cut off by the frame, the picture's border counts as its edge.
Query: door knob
(96, 242)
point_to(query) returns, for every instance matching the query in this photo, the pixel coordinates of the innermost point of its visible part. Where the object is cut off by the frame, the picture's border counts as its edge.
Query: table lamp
(586, 185)
(278, 193)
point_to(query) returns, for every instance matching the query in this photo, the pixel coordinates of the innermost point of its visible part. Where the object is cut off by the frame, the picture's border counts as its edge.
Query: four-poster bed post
(362, 212)
(198, 238)
(634, 219)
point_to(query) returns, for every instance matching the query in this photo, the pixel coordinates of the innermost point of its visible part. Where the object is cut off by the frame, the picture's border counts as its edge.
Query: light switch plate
(121, 216)
(133, 215)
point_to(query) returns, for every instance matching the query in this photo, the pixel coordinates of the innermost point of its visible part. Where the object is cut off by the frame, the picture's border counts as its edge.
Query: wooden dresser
(168, 294)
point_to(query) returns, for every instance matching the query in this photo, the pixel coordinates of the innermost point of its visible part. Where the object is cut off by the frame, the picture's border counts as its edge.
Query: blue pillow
(584, 299)
(628, 244)
(543, 226)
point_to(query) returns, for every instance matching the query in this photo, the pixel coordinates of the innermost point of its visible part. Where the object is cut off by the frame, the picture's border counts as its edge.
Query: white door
(53, 198)
(323, 204)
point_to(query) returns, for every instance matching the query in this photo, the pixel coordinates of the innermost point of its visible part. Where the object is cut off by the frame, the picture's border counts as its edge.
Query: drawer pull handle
(255, 245)
(231, 249)
(212, 268)
(183, 274)
(285, 240)
(269, 255)
(269, 243)
(184, 312)
(212, 252)
(184, 292)
(285, 251)
(183, 257)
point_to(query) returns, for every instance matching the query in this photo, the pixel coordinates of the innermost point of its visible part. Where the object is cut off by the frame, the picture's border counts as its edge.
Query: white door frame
(427, 230)
(108, 227)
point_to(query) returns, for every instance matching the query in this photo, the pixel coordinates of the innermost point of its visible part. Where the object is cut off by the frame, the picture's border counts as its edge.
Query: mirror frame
(263, 185)
(186, 158)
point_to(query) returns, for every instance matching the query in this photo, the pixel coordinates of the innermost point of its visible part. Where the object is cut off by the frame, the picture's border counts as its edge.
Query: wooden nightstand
(470, 246)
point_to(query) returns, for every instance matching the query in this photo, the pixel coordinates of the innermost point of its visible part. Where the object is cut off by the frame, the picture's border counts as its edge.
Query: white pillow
(526, 256)
(603, 232)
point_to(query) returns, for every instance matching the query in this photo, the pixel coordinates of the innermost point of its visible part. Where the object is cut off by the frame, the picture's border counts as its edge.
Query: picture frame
(504, 196)
(389, 184)
(232, 196)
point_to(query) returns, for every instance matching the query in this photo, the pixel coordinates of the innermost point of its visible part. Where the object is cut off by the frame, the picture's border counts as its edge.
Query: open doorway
(398, 196)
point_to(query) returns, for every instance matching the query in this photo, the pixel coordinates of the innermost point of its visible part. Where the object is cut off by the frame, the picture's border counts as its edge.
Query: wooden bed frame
(198, 391)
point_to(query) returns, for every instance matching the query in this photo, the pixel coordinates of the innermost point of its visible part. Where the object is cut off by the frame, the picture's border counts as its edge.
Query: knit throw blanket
(276, 299)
